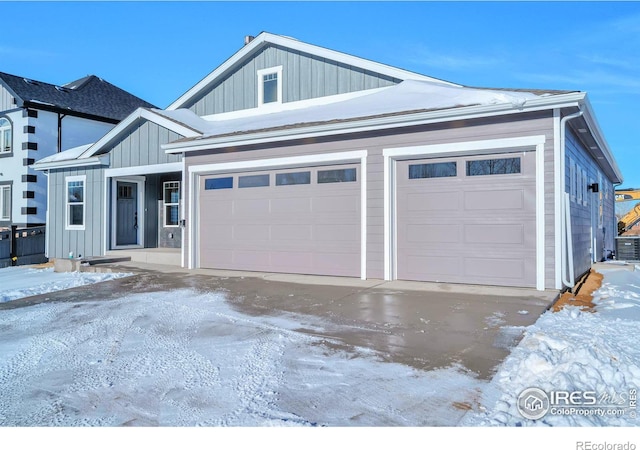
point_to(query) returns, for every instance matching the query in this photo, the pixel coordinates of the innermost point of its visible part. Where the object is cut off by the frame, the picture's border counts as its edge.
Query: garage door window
(337, 176)
(500, 166)
(250, 181)
(433, 170)
(285, 179)
(218, 183)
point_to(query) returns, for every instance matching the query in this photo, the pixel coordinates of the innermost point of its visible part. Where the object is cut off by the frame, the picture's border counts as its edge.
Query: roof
(88, 96)
(405, 98)
(265, 39)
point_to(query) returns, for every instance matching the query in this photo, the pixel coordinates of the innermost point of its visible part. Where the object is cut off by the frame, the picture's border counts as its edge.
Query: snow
(409, 95)
(186, 358)
(67, 155)
(574, 351)
(19, 282)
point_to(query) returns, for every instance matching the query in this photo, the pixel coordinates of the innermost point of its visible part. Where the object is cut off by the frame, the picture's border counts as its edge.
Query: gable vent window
(270, 86)
(5, 136)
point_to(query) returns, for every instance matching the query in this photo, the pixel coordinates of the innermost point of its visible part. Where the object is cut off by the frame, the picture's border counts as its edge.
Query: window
(249, 181)
(5, 202)
(171, 198)
(572, 180)
(270, 86)
(75, 202)
(284, 179)
(337, 176)
(501, 166)
(5, 136)
(218, 183)
(433, 170)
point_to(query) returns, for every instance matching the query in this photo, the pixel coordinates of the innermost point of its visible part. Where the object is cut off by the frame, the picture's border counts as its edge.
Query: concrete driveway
(422, 325)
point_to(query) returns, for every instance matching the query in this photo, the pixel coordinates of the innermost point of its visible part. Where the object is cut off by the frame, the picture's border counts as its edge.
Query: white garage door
(467, 220)
(303, 220)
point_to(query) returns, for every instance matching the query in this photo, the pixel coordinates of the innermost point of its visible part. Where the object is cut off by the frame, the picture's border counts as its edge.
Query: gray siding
(304, 76)
(141, 146)
(584, 213)
(6, 100)
(87, 242)
(460, 131)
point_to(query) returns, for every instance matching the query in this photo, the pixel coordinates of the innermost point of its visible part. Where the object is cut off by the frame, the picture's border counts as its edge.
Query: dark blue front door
(127, 213)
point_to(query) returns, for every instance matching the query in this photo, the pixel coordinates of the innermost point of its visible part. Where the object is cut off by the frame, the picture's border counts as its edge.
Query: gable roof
(183, 122)
(265, 39)
(90, 96)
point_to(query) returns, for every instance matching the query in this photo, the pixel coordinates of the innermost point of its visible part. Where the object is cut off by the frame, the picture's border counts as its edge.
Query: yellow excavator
(631, 218)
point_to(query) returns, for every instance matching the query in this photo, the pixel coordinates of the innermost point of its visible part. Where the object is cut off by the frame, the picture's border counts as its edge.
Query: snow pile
(575, 351)
(19, 282)
(182, 358)
(409, 95)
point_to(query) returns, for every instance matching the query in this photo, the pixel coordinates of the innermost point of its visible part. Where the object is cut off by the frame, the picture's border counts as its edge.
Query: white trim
(375, 124)
(140, 182)
(558, 188)
(272, 163)
(268, 71)
(489, 146)
(102, 160)
(144, 170)
(67, 180)
(165, 204)
(363, 217)
(540, 219)
(195, 172)
(47, 220)
(105, 213)
(293, 44)
(182, 215)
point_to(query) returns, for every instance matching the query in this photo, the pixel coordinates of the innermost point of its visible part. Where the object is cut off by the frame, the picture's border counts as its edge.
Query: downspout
(566, 237)
(60, 117)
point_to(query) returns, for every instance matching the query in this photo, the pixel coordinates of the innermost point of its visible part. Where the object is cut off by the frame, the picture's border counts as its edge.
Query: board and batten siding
(532, 124)
(585, 212)
(141, 146)
(87, 242)
(6, 100)
(304, 76)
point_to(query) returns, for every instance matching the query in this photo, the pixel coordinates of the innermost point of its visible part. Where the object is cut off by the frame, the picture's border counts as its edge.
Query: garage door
(467, 220)
(304, 220)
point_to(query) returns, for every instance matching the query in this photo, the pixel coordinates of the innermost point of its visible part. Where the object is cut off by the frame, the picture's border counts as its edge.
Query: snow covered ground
(595, 356)
(182, 358)
(22, 281)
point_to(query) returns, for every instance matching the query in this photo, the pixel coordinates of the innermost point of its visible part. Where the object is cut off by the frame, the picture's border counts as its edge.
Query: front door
(127, 213)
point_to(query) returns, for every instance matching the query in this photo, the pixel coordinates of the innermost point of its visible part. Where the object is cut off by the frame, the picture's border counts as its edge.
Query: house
(291, 157)
(38, 120)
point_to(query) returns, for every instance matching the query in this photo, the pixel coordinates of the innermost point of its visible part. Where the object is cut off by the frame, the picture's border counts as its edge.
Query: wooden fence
(20, 246)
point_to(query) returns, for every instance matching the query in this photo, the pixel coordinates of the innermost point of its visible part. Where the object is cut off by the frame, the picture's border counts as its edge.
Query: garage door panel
(494, 200)
(434, 233)
(249, 207)
(432, 201)
(285, 232)
(297, 228)
(468, 228)
(488, 267)
(504, 234)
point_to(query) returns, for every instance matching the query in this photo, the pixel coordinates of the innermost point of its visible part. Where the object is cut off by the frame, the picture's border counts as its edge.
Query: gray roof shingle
(90, 95)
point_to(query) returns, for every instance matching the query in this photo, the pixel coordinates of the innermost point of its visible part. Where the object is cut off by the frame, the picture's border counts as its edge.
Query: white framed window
(270, 86)
(580, 184)
(5, 202)
(75, 203)
(572, 180)
(601, 196)
(171, 200)
(6, 139)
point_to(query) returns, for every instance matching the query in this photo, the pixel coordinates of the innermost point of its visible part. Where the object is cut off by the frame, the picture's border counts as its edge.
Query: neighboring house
(294, 158)
(39, 119)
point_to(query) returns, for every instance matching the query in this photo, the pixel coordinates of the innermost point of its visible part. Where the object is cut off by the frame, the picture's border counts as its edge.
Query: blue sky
(158, 50)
